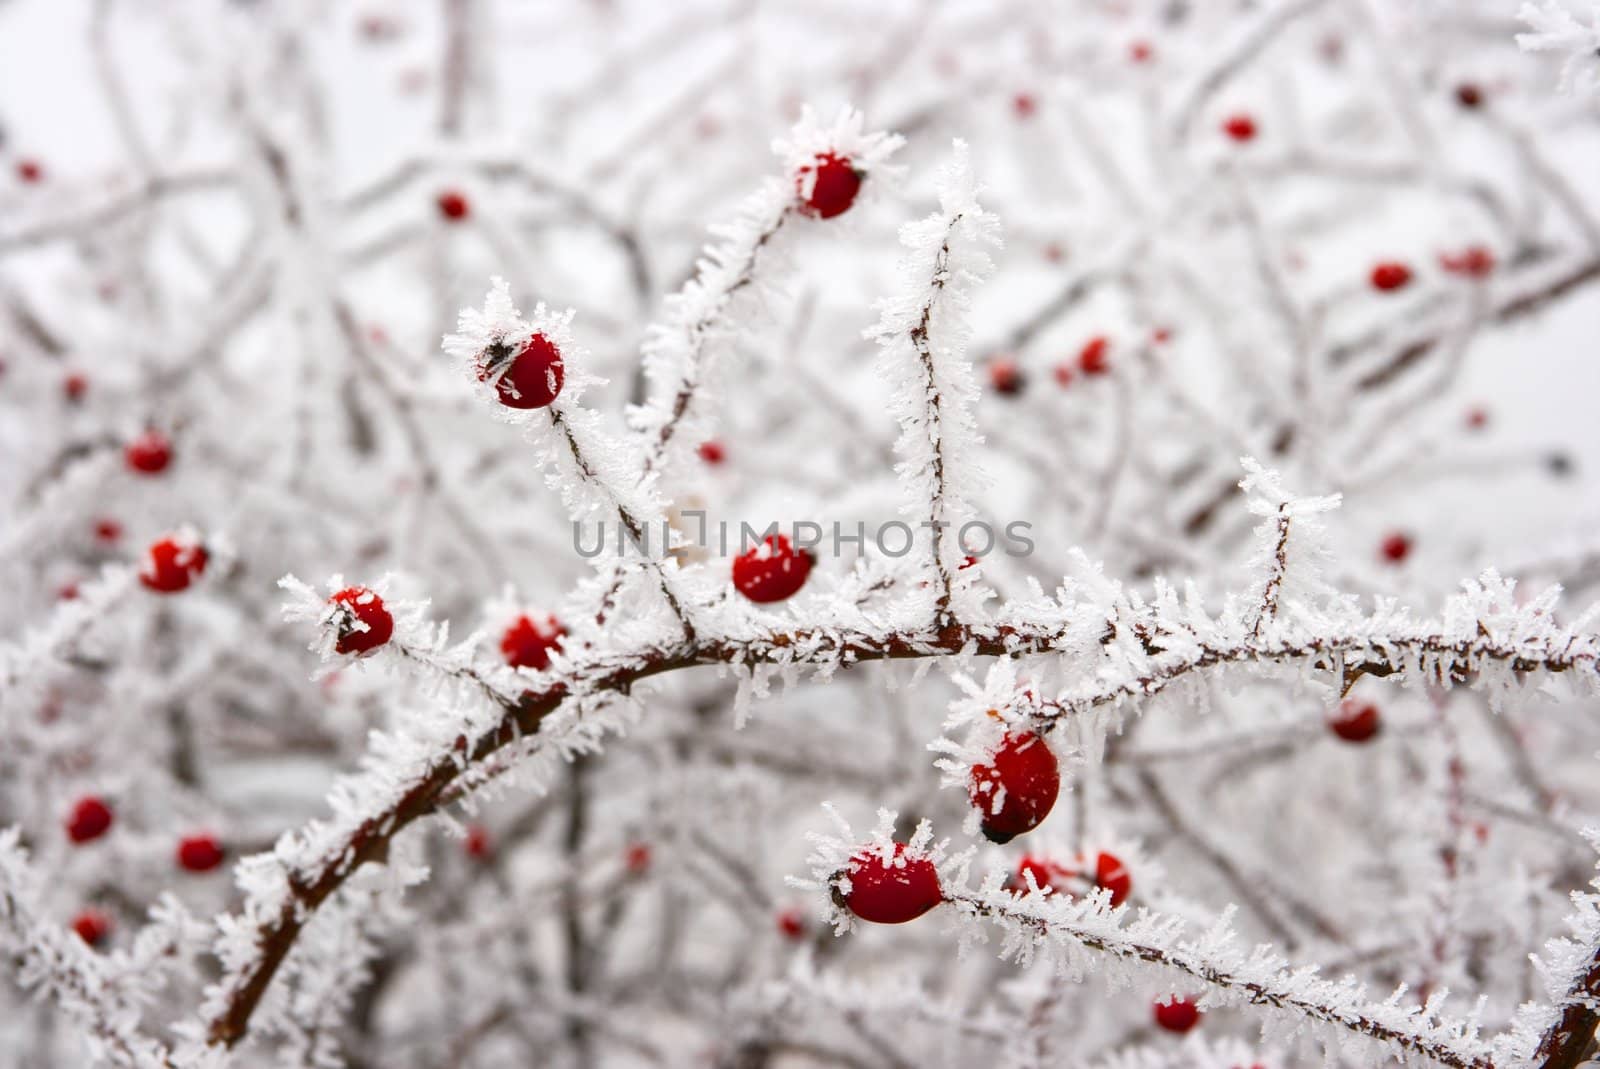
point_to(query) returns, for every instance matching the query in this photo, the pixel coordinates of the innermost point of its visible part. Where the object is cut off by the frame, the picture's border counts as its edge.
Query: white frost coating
(923, 332)
(1554, 28)
(733, 277)
(101, 992)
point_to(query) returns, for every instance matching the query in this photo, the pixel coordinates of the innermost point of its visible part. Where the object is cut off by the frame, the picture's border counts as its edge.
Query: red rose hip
(527, 643)
(772, 571)
(1390, 276)
(531, 379)
(172, 564)
(828, 185)
(90, 818)
(900, 891)
(199, 853)
(1015, 791)
(1356, 721)
(92, 926)
(1177, 1015)
(364, 624)
(150, 453)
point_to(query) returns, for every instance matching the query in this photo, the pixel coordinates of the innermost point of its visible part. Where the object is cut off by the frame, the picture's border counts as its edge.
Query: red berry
(199, 853)
(792, 923)
(92, 926)
(527, 644)
(107, 530)
(67, 592)
(149, 453)
(901, 891)
(1469, 96)
(712, 452)
(828, 185)
(361, 607)
(1161, 335)
(172, 563)
(1006, 377)
(1044, 873)
(1140, 51)
(75, 385)
(1390, 275)
(1396, 547)
(533, 378)
(1477, 417)
(477, 844)
(90, 818)
(1054, 253)
(1024, 105)
(1016, 790)
(1111, 874)
(1241, 128)
(637, 858)
(1179, 1015)
(30, 170)
(1092, 357)
(772, 571)
(1474, 261)
(1355, 721)
(453, 205)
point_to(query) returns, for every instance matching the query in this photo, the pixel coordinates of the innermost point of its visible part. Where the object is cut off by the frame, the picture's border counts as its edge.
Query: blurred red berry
(1355, 721)
(1141, 51)
(478, 845)
(1092, 357)
(172, 563)
(1477, 417)
(712, 452)
(107, 530)
(1024, 105)
(1474, 261)
(1390, 275)
(453, 205)
(1396, 547)
(199, 853)
(149, 453)
(1006, 377)
(637, 858)
(1241, 127)
(828, 185)
(75, 385)
(1178, 1015)
(527, 643)
(92, 926)
(1469, 96)
(30, 171)
(792, 923)
(90, 818)
(1063, 374)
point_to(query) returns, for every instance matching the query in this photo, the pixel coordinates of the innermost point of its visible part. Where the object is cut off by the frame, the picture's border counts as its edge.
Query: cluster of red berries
(773, 570)
(1052, 877)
